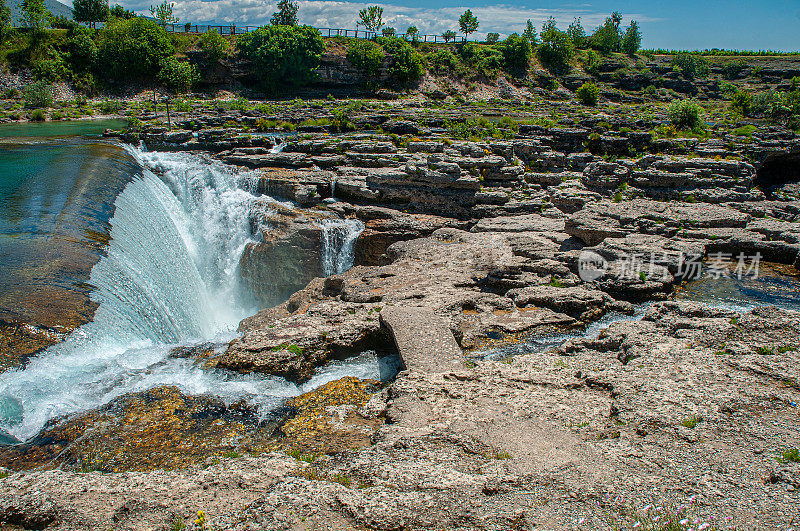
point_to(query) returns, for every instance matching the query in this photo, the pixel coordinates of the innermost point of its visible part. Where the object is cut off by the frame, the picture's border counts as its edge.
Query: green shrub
(367, 57)
(38, 94)
(214, 45)
(283, 54)
(556, 49)
(82, 50)
(133, 48)
(405, 62)
(516, 53)
(741, 102)
(444, 61)
(685, 114)
(50, 67)
(588, 93)
(792, 454)
(178, 75)
(733, 69)
(691, 66)
(492, 38)
(38, 115)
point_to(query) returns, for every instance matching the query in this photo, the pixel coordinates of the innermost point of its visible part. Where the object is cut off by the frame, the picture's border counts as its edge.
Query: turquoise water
(60, 128)
(147, 245)
(56, 199)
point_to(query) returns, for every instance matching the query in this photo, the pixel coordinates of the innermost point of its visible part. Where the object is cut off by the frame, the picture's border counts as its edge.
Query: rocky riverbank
(518, 228)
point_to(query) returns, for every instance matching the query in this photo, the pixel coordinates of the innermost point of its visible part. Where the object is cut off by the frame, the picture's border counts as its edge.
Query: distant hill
(55, 7)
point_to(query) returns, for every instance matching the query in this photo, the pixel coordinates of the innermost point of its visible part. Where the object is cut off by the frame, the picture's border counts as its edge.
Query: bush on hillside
(283, 54)
(405, 64)
(178, 75)
(741, 102)
(492, 38)
(556, 50)
(444, 61)
(691, 65)
(367, 56)
(588, 93)
(37, 95)
(133, 48)
(82, 50)
(685, 114)
(214, 45)
(516, 53)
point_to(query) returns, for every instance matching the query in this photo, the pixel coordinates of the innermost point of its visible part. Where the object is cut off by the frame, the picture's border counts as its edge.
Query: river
(152, 242)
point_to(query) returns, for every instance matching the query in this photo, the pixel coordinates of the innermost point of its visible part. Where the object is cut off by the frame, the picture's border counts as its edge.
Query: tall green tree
(92, 11)
(530, 33)
(120, 12)
(371, 18)
(286, 15)
(468, 23)
(163, 13)
(5, 21)
(632, 39)
(606, 38)
(449, 35)
(576, 33)
(35, 15)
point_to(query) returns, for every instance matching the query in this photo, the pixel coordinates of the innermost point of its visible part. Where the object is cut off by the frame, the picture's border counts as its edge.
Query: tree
(632, 39)
(371, 17)
(286, 15)
(283, 55)
(35, 15)
(468, 23)
(492, 38)
(557, 49)
(389, 32)
(93, 11)
(606, 38)
(413, 32)
(576, 33)
(516, 53)
(5, 21)
(163, 13)
(120, 12)
(133, 48)
(530, 33)
(214, 44)
(406, 64)
(366, 56)
(449, 35)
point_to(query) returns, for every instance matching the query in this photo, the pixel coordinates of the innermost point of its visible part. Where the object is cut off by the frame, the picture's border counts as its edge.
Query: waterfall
(338, 240)
(170, 276)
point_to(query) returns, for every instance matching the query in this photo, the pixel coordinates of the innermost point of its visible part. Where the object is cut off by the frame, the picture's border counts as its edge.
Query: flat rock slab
(423, 339)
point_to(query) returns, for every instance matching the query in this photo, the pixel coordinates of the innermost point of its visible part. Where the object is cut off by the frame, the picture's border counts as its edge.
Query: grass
(302, 456)
(792, 454)
(232, 454)
(691, 422)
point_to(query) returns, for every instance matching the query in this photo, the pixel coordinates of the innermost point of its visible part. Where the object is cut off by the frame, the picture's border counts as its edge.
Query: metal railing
(233, 29)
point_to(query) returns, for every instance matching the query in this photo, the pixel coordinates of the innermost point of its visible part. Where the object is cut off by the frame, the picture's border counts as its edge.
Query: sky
(678, 24)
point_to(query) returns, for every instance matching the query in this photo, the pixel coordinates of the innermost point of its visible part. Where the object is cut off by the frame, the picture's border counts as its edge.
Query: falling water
(170, 276)
(338, 242)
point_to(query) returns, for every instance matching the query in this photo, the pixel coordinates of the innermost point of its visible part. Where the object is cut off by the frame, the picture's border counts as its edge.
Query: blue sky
(769, 24)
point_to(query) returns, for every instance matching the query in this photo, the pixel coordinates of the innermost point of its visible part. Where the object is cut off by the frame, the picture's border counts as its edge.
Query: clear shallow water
(169, 276)
(56, 199)
(60, 128)
(777, 285)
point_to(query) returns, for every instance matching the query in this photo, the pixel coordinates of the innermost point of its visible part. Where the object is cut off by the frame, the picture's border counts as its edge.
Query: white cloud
(499, 18)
